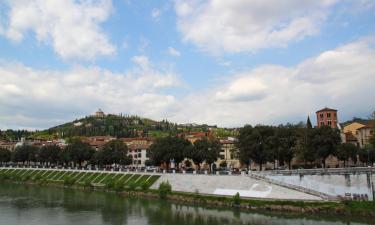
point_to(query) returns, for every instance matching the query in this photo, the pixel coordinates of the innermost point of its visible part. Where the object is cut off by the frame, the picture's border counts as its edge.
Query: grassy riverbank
(138, 185)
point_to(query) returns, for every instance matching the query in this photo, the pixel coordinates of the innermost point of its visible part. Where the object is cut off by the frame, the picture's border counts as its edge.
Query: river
(36, 205)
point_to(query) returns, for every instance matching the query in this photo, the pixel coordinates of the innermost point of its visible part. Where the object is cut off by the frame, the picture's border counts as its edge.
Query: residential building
(364, 135)
(7, 145)
(194, 136)
(96, 142)
(227, 153)
(139, 149)
(327, 117)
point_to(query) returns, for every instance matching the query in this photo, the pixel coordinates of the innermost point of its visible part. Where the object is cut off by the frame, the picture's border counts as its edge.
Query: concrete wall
(331, 184)
(230, 185)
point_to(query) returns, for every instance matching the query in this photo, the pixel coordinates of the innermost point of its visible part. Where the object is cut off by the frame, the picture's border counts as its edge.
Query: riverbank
(345, 208)
(135, 185)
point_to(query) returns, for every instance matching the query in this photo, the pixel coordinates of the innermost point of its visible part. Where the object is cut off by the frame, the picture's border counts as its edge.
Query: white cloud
(70, 27)
(249, 25)
(155, 13)
(42, 98)
(173, 52)
(342, 78)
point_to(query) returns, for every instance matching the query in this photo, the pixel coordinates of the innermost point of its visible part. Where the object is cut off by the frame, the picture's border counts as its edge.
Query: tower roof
(326, 109)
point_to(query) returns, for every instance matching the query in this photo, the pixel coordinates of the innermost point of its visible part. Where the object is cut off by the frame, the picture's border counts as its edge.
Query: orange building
(327, 117)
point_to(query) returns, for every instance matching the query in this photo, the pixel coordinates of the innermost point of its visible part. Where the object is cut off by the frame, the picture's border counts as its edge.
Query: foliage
(325, 141)
(5, 155)
(347, 151)
(69, 181)
(237, 199)
(163, 150)
(78, 151)
(25, 153)
(113, 152)
(49, 154)
(164, 189)
(254, 143)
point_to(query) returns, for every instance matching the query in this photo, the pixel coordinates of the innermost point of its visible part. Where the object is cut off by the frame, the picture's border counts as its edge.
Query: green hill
(117, 126)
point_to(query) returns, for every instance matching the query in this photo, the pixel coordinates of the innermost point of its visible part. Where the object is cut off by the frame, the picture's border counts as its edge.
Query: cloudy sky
(220, 62)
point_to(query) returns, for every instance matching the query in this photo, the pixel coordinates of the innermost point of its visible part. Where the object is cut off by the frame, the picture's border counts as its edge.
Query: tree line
(280, 145)
(77, 152)
(261, 144)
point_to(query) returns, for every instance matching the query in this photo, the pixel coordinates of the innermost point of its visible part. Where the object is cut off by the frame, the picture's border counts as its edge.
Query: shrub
(164, 189)
(110, 184)
(87, 184)
(131, 186)
(236, 199)
(69, 181)
(144, 186)
(118, 186)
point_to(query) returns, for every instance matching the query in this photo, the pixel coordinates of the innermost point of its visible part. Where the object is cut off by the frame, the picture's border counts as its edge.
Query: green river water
(36, 205)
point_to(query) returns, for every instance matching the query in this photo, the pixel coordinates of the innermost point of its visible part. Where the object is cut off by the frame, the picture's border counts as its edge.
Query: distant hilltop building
(99, 113)
(327, 117)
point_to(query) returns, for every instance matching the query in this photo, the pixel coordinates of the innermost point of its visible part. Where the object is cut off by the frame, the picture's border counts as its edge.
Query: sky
(225, 63)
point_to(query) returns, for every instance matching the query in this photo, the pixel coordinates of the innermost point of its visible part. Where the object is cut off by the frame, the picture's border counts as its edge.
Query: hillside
(117, 126)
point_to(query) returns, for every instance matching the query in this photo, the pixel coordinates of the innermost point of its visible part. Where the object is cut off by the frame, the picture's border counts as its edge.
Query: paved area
(230, 185)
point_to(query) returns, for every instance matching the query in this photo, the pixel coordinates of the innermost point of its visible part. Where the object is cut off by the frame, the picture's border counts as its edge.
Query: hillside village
(139, 134)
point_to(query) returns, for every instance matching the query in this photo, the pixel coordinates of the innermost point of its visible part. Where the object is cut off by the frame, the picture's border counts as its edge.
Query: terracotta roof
(326, 109)
(132, 147)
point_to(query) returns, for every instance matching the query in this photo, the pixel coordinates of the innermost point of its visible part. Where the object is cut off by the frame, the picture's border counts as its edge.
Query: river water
(35, 205)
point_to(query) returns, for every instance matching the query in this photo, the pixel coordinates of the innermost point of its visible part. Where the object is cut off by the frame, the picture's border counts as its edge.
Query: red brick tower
(327, 117)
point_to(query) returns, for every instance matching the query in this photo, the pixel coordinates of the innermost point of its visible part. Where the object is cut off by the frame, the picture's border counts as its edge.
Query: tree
(325, 141)
(49, 154)
(25, 153)
(197, 152)
(212, 153)
(5, 155)
(114, 152)
(165, 149)
(253, 143)
(287, 142)
(347, 151)
(78, 151)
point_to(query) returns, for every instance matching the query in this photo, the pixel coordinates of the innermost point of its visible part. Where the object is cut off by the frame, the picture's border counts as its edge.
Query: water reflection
(30, 205)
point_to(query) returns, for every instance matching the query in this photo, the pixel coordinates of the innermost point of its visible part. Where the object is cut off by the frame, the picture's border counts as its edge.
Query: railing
(349, 170)
(294, 187)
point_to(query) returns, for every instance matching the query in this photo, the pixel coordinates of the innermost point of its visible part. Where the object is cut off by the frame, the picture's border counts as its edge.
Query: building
(228, 147)
(194, 136)
(99, 113)
(96, 142)
(327, 117)
(139, 154)
(364, 135)
(138, 150)
(351, 132)
(7, 145)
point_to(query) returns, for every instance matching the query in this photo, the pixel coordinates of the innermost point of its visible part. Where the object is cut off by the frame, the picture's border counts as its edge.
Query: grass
(134, 181)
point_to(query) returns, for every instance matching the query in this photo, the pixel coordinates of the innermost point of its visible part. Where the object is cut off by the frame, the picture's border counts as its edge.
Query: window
(329, 115)
(139, 155)
(222, 157)
(321, 115)
(321, 123)
(329, 122)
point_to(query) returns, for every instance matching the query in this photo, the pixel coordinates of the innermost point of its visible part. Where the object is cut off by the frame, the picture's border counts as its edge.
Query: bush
(131, 186)
(236, 199)
(164, 189)
(144, 186)
(118, 186)
(69, 181)
(87, 184)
